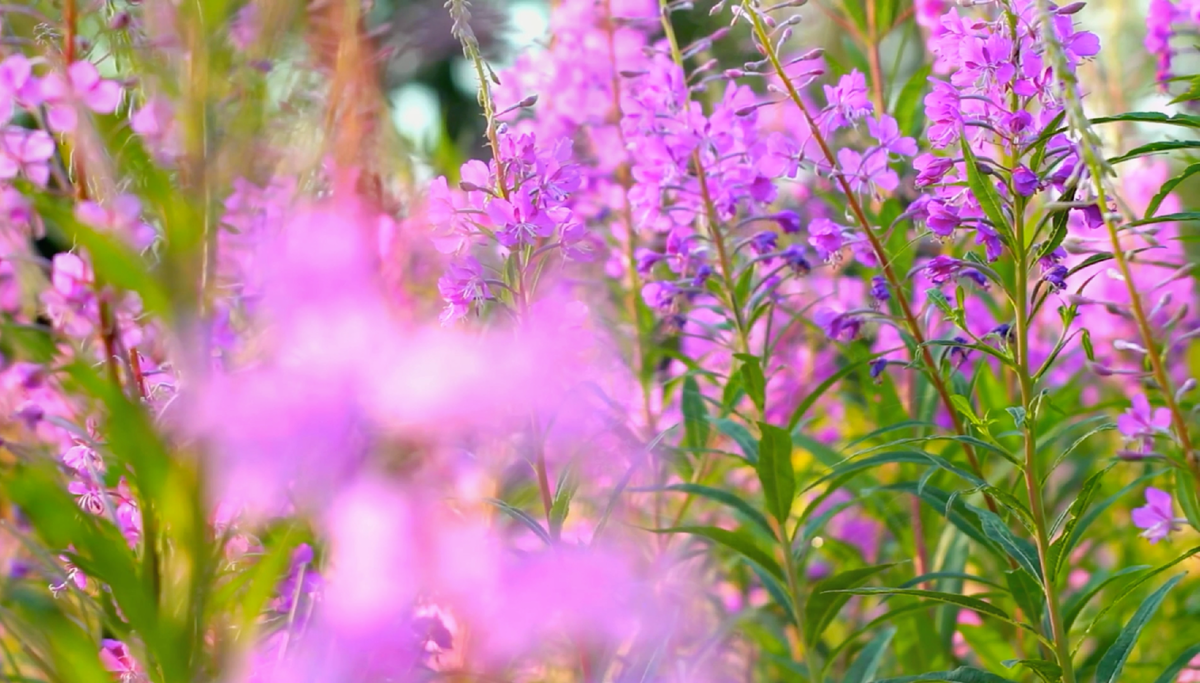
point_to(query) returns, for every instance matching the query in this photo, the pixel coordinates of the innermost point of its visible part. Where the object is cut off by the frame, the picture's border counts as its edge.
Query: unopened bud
(119, 21)
(1071, 8)
(717, 8)
(1122, 345)
(1184, 388)
(467, 186)
(734, 73)
(629, 73)
(528, 101)
(1102, 370)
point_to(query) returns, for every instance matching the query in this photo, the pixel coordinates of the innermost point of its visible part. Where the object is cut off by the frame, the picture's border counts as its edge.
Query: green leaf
(695, 416)
(808, 401)
(753, 380)
(1018, 415)
(963, 405)
(1109, 668)
(1186, 491)
(909, 105)
(775, 471)
(957, 512)
(524, 518)
(1169, 218)
(726, 498)
(1061, 548)
(1019, 549)
(1026, 593)
(1168, 674)
(829, 596)
(915, 457)
(1185, 120)
(964, 601)
(564, 491)
(740, 542)
(985, 193)
(742, 436)
(1047, 671)
(963, 674)
(1095, 511)
(1154, 148)
(1077, 602)
(1131, 587)
(1167, 187)
(867, 662)
(27, 342)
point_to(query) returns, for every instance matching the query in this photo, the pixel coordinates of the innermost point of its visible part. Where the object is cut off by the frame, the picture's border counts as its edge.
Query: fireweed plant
(741, 354)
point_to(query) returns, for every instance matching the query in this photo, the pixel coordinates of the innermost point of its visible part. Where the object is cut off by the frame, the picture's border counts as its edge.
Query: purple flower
(796, 259)
(839, 326)
(788, 220)
(931, 169)
(519, 222)
(826, 237)
(943, 218)
(887, 132)
(763, 242)
(646, 259)
(1156, 518)
(877, 367)
(847, 102)
(942, 268)
(879, 289)
(1025, 181)
(867, 171)
(27, 152)
(461, 287)
(1056, 277)
(1141, 423)
(82, 85)
(659, 295)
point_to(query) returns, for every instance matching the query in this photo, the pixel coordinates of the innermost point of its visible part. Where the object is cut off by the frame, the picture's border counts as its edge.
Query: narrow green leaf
(1168, 674)
(867, 662)
(1019, 549)
(775, 471)
(524, 518)
(808, 401)
(1167, 187)
(1061, 548)
(1109, 669)
(963, 674)
(1047, 671)
(1133, 586)
(726, 498)
(909, 109)
(740, 542)
(695, 416)
(915, 457)
(1092, 588)
(564, 491)
(1026, 593)
(742, 436)
(1186, 491)
(989, 199)
(1169, 218)
(986, 609)
(753, 380)
(1154, 148)
(830, 595)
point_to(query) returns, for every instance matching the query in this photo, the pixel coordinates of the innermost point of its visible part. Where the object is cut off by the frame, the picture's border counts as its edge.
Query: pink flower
(1156, 518)
(122, 216)
(82, 86)
(26, 152)
(1141, 424)
(115, 658)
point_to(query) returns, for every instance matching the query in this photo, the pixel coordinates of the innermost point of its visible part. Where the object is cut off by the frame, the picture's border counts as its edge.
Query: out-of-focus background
(432, 88)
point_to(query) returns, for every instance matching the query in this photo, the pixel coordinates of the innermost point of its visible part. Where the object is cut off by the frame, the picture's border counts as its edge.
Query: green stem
(1062, 646)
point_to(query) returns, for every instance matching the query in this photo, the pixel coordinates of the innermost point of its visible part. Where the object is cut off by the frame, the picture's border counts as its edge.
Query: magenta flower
(1025, 181)
(1156, 518)
(942, 268)
(887, 132)
(461, 287)
(847, 102)
(82, 86)
(867, 172)
(826, 237)
(27, 152)
(115, 658)
(519, 222)
(121, 216)
(1141, 423)
(17, 85)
